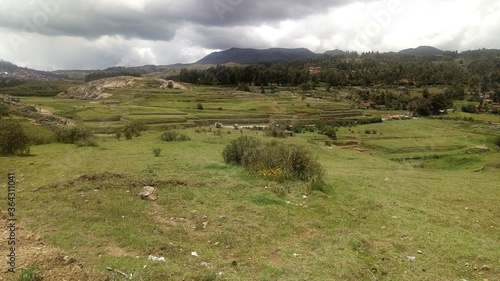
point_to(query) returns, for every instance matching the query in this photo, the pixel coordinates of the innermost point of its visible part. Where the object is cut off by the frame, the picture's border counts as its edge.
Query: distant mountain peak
(252, 56)
(422, 51)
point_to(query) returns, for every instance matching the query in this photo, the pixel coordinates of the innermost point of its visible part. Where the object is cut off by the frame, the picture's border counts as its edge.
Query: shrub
(76, 135)
(156, 151)
(170, 85)
(328, 142)
(13, 139)
(237, 149)
(135, 128)
(199, 106)
(329, 131)
(368, 132)
(118, 135)
(243, 87)
(169, 136)
(470, 108)
(173, 136)
(292, 161)
(128, 134)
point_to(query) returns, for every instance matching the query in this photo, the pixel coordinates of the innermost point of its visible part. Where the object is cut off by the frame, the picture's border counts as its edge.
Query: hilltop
(251, 56)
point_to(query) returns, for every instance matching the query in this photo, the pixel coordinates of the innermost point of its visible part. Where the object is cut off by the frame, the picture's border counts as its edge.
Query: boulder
(149, 193)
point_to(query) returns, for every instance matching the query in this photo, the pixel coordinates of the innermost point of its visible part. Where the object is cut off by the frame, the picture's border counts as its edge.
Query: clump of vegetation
(173, 135)
(243, 87)
(76, 135)
(30, 273)
(329, 131)
(199, 106)
(134, 129)
(13, 139)
(157, 151)
(470, 108)
(274, 160)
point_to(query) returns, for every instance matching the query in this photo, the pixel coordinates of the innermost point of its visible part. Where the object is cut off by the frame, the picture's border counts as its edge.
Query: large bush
(173, 135)
(76, 135)
(13, 139)
(294, 162)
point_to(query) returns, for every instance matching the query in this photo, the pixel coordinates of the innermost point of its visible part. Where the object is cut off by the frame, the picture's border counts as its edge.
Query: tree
(13, 139)
(419, 107)
(425, 93)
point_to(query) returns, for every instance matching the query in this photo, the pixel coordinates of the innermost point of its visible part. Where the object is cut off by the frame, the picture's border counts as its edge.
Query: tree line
(479, 71)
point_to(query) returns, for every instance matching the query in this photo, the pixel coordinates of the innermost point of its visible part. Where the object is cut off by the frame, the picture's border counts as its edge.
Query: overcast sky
(96, 34)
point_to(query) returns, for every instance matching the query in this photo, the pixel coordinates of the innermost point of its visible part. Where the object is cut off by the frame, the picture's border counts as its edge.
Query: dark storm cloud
(150, 20)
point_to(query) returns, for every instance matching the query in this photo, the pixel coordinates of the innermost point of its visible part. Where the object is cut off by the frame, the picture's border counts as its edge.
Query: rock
(149, 193)
(486, 267)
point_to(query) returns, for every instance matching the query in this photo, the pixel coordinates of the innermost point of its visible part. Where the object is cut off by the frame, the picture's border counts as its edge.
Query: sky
(96, 34)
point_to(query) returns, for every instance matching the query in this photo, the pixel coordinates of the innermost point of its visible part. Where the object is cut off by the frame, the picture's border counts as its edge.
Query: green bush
(294, 161)
(156, 151)
(237, 149)
(243, 87)
(76, 135)
(470, 108)
(134, 128)
(172, 135)
(13, 139)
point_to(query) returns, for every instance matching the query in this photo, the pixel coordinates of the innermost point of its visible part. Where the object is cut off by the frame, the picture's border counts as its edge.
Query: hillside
(422, 51)
(9, 70)
(98, 89)
(251, 56)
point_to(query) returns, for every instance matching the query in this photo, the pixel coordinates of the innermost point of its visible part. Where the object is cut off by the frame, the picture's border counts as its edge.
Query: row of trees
(478, 73)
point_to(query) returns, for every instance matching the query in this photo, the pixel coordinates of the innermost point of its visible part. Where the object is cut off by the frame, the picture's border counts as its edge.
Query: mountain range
(233, 55)
(252, 56)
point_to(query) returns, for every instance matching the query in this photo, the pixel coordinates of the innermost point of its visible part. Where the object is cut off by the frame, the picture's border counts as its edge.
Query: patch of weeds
(157, 151)
(280, 190)
(188, 195)
(30, 273)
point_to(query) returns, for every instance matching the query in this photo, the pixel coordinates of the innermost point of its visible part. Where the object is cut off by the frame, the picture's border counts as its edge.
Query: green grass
(377, 213)
(423, 188)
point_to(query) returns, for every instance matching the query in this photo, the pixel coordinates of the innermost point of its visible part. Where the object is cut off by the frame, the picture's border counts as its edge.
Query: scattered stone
(411, 258)
(194, 254)
(149, 193)
(486, 267)
(153, 258)
(420, 252)
(206, 264)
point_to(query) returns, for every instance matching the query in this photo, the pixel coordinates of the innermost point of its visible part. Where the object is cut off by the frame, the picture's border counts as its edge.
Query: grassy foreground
(419, 203)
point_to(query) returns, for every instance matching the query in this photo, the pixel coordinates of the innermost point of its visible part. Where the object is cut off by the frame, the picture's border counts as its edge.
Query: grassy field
(411, 200)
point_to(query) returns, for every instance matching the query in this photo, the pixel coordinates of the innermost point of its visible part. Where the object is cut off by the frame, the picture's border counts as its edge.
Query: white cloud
(100, 34)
